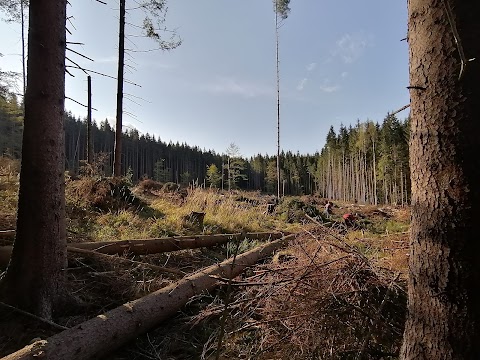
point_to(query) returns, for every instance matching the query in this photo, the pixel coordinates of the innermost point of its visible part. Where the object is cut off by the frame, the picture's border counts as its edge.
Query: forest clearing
(121, 244)
(324, 290)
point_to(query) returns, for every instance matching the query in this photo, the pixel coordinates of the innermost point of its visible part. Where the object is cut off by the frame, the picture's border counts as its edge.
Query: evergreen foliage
(366, 163)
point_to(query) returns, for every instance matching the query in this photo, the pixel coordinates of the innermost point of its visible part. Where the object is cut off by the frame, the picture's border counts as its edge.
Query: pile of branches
(321, 298)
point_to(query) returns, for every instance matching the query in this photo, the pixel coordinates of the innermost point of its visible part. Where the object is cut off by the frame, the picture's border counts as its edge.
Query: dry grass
(9, 169)
(224, 212)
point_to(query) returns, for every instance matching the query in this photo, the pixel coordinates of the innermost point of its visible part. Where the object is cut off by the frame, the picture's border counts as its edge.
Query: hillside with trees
(366, 162)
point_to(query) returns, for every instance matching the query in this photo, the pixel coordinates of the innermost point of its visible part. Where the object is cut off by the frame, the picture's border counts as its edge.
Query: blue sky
(340, 60)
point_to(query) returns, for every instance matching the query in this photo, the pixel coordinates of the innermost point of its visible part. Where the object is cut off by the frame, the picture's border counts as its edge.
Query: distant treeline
(367, 163)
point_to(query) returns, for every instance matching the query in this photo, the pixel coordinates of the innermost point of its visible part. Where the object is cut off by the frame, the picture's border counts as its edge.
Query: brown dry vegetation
(333, 293)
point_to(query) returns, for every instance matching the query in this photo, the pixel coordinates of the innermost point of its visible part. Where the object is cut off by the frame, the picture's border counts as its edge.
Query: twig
(23, 312)
(246, 283)
(99, 73)
(78, 66)
(266, 322)
(456, 36)
(79, 103)
(376, 319)
(401, 109)
(79, 54)
(120, 259)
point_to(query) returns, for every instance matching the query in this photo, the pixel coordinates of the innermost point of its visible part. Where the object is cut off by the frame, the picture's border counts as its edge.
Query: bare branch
(401, 109)
(79, 103)
(76, 52)
(73, 62)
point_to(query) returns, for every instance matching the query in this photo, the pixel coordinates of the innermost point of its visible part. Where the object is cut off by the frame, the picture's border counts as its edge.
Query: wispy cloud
(229, 85)
(301, 84)
(350, 47)
(107, 59)
(344, 74)
(311, 66)
(328, 87)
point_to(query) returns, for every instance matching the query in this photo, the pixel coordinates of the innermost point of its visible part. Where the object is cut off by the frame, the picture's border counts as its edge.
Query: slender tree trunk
(24, 73)
(89, 122)
(35, 276)
(117, 158)
(444, 311)
(278, 100)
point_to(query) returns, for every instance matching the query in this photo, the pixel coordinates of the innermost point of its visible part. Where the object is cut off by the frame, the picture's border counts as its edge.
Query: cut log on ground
(154, 246)
(104, 333)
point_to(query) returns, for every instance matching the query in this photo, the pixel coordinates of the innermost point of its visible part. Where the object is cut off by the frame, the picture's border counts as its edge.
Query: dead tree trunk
(117, 157)
(89, 122)
(154, 246)
(106, 332)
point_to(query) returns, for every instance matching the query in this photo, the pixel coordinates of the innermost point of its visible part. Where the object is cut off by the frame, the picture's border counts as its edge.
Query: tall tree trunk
(278, 100)
(35, 276)
(24, 73)
(117, 158)
(444, 311)
(89, 121)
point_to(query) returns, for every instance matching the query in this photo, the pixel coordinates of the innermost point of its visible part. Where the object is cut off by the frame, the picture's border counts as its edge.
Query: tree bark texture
(444, 310)
(34, 278)
(106, 332)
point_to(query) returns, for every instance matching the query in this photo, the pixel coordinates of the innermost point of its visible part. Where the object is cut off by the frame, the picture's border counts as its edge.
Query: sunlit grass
(223, 212)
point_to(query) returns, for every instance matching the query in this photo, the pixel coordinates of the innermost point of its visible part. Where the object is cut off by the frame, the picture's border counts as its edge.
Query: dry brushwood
(100, 335)
(322, 302)
(94, 254)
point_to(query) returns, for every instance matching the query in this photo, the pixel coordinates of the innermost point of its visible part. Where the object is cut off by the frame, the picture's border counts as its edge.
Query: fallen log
(104, 333)
(154, 246)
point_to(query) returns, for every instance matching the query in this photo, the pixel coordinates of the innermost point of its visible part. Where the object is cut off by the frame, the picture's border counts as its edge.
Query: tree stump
(195, 219)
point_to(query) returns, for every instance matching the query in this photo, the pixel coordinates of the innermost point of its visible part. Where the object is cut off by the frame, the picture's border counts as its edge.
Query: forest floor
(334, 292)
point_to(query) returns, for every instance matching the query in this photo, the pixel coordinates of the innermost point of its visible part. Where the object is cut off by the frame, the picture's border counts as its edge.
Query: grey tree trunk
(277, 63)
(89, 122)
(117, 158)
(444, 311)
(34, 280)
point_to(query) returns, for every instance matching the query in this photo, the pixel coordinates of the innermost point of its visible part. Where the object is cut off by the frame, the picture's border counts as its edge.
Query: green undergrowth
(389, 226)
